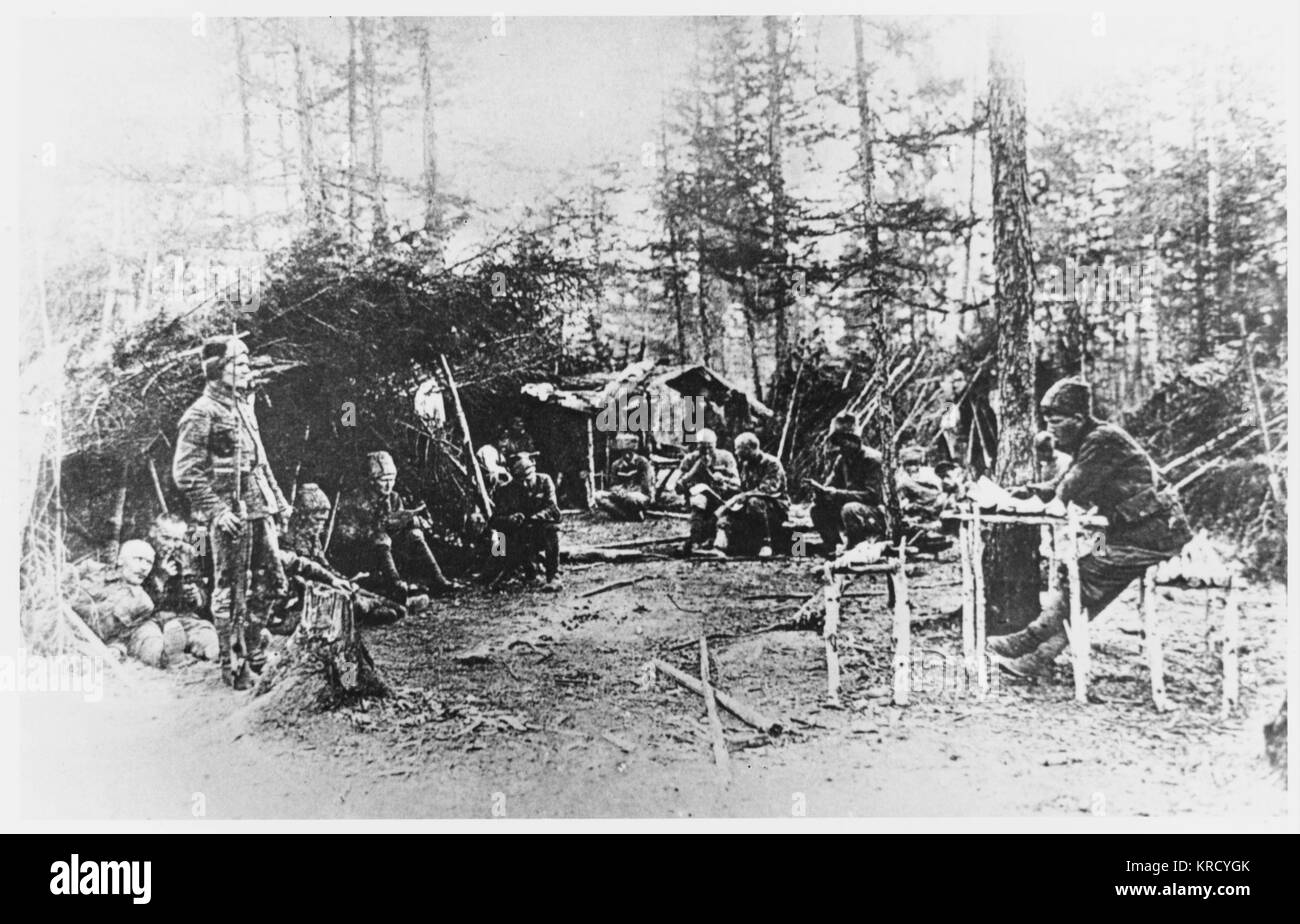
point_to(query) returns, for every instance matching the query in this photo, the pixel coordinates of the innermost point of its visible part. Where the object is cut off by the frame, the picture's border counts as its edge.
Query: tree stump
(1011, 577)
(324, 663)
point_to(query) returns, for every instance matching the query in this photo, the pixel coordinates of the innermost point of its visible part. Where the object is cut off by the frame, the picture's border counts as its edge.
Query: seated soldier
(850, 500)
(631, 484)
(757, 514)
(708, 476)
(305, 539)
(920, 492)
(116, 608)
(176, 587)
(528, 517)
(1110, 472)
(377, 522)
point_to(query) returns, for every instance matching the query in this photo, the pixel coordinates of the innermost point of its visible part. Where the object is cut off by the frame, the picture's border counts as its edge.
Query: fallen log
(740, 710)
(613, 585)
(587, 554)
(642, 543)
(720, 755)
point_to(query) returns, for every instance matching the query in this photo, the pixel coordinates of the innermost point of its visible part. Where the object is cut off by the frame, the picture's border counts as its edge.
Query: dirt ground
(523, 705)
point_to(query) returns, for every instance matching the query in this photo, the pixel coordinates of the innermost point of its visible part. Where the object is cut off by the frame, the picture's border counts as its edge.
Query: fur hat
(519, 458)
(311, 499)
(706, 436)
(217, 351)
(380, 463)
(910, 455)
(845, 424)
(1067, 397)
(623, 441)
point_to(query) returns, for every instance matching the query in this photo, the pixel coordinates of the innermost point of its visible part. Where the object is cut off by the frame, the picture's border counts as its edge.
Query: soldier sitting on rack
(708, 477)
(851, 497)
(176, 587)
(1111, 473)
(376, 521)
(631, 481)
(754, 518)
(304, 539)
(528, 517)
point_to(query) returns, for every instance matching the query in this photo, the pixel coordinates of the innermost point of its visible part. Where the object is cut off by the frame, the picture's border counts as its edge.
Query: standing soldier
(758, 513)
(851, 498)
(528, 516)
(218, 447)
(708, 477)
(382, 528)
(1110, 472)
(632, 481)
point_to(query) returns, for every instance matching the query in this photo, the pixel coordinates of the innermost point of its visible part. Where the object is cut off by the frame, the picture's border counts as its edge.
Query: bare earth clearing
(545, 714)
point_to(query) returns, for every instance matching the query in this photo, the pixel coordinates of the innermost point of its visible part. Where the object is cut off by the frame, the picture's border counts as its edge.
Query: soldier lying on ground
(755, 517)
(849, 500)
(1110, 473)
(116, 608)
(375, 520)
(631, 481)
(305, 539)
(708, 476)
(528, 517)
(218, 429)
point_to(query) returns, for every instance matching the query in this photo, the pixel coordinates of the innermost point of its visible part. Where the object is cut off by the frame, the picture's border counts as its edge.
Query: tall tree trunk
(281, 136)
(884, 418)
(1011, 557)
(380, 221)
(432, 205)
(352, 130)
(776, 184)
(674, 243)
(243, 75)
(313, 200)
(701, 299)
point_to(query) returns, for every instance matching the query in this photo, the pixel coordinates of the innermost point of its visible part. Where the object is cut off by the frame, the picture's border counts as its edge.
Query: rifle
(243, 547)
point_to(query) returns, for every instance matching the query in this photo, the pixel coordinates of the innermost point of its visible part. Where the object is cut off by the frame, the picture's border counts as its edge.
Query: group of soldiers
(160, 602)
(740, 503)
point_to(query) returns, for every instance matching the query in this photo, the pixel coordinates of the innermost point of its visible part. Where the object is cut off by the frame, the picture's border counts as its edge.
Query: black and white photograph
(573, 415)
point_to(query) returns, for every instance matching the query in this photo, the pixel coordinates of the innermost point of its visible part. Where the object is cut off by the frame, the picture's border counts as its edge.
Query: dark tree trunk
(884, 418)
(1011, 554)
(352, 129)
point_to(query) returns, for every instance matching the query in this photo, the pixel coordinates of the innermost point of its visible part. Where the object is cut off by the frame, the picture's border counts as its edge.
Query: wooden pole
(1231, 650)
(968, 652)
(977, 567)
(1273, 484)
(334, 512)
(789, 411)
(902, 630)
(119, 517)
(590, 486)
(297, 469)
(831, 634)
(157, 485)
(483, 497)
(1078, 624)
(1151, 642)
(745, 713)
(720, 756)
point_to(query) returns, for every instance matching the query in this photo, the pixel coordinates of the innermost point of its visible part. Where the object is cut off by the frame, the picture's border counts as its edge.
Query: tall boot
(225, 656)
(1048, 624)
(1039, 661)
